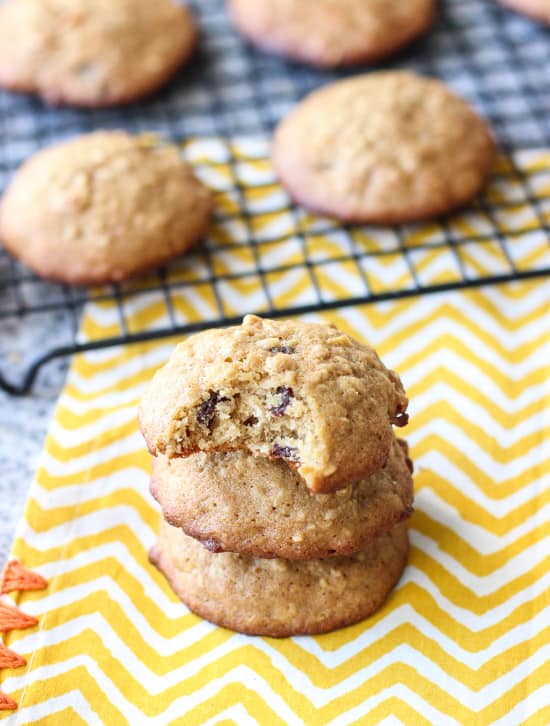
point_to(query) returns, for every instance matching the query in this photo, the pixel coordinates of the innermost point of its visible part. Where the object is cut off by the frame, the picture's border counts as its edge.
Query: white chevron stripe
(479, 538)
(391, 721)
(131, 478)
(239, 715)
(473, 452)
(535, 301)
(90, 524)
(526, 709)
(134, 715)
(130, 444)
(406, 615)
(241, 303)
(126, 398)
(463, 308)
(107, 316)
(284, 284)
(474, 621)
(130, 365)
(402, 693)
(431, 272)
(240, 674)
(515, 567)
(448, 361)
(153, 683)
(49, 708)
(505, 437)
(435, 461)
(446, 327)
(69, 437)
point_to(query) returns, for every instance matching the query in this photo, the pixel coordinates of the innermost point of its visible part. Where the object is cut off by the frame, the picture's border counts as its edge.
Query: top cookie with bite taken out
(302, 392)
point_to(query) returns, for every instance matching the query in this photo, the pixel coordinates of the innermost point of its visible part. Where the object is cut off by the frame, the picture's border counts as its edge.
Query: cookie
(100, 53)
(234, 502)
(389, 147)
(331, 33)
(101, 208)
(279, 598)
(284, 389)
(537, 9)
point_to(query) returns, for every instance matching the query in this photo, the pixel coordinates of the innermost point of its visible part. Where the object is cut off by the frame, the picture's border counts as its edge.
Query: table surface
(23, 427)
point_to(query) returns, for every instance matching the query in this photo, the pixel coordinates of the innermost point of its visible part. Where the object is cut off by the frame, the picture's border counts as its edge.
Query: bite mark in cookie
(327, 408)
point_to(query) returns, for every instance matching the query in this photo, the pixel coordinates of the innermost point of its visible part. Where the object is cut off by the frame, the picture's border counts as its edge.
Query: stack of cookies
(283, 488)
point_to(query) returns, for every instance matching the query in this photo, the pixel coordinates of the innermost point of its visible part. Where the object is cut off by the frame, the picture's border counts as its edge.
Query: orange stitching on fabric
(17, 577)
(11, 618)
(10, 659)
(7, 703)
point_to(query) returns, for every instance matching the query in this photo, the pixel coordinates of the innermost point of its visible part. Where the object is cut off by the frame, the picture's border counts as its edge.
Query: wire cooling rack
(225, 105)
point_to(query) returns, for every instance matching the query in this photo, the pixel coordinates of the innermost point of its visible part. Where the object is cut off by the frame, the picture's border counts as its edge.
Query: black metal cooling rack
(496, 59)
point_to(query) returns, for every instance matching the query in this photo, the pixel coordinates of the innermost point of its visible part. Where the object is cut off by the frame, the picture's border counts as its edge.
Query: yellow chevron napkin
(463, 639)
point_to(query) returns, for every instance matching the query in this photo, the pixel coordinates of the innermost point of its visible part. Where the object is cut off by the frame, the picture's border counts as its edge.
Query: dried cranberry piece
(212, 545)
(207, 410)
(401, 419)
(284, 452)
(286, 395)
(286, 349)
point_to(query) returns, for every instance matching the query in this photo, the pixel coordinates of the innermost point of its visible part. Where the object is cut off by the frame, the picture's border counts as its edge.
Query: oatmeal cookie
(389, 147)
(103, 207)
(330, 33)
(279, 598)
(284, 389)
(100, 53)
(235, 502)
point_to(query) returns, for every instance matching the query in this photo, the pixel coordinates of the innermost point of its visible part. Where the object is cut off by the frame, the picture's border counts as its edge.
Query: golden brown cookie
(103, 207)
(537, 9)
(332, 32)
(99, 53)
(235, 502)
(279, 598)
(386, 147)
(284, 389)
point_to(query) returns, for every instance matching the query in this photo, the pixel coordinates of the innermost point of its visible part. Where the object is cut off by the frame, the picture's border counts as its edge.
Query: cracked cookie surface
(235, 502)
(332, 33)
(103, 207)
(100, 53)
(387, 147)
(302, 392)
(276, 597)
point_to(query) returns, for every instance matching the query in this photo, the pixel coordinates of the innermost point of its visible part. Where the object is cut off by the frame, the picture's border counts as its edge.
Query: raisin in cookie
(301, 392)
(275, 597)
(99, 53)
(386, 147)
(235, 502)
(101, 208)
(332, 33)
(537, 9)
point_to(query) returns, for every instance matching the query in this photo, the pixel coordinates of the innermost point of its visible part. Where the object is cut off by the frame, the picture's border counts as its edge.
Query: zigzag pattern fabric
(463, 639)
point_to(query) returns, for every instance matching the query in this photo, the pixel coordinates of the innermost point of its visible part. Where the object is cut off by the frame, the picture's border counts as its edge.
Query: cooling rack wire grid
(263, 254)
